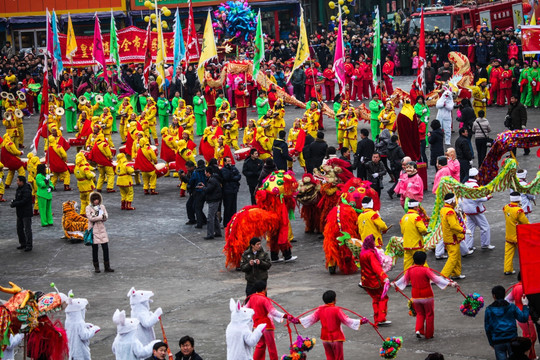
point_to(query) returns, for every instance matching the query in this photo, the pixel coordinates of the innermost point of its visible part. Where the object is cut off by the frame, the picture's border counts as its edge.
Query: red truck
(502, 14)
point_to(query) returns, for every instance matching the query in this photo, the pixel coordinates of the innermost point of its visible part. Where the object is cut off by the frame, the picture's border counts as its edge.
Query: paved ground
(152, 249)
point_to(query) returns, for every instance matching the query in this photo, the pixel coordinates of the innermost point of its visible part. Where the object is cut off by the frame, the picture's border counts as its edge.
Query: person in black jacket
(231, 185)
(255, 264)
(252, 170)
(187, 349)
(364, 151)
(196, 184)
(436, 142)
(463, 154)
(517, 113)
(190, 204)
(213, 196)
(280, 151)
(305, 151)
(316, 152)
(298, 80)
(23, 202)
(467, 118)
(395, 157)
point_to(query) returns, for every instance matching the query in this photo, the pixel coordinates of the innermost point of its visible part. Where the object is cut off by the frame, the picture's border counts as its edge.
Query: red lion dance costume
(342, 242)
(270, 218)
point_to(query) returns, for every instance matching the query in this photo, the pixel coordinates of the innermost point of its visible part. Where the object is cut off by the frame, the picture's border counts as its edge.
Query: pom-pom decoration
(235, 19)
(300, 348)
(390, 347)
(410, 305)
(472, 304)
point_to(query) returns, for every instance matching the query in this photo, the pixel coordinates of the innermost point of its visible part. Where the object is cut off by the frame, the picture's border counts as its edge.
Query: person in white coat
(445, 105)
(474, 209)
(78, 331)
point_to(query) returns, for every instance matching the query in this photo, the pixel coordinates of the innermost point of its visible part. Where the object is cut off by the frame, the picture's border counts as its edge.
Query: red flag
(421, 53)
(192, 44)
(530, 35)
(147, 56)
(528, 236)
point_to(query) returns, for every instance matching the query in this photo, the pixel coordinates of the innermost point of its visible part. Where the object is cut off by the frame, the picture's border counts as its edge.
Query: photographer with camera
(23, 203)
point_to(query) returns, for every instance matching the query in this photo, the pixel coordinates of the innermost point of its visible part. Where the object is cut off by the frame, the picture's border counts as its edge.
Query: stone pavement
(152, 249)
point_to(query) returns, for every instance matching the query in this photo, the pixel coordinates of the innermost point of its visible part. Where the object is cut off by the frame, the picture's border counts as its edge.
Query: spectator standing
(197, 182)
(467, 119)
(23, 204)
(375, 172)
(213, 196)
(517, 114)
(231, 185)
(298, 80)
(252, 170)
(481, 129)
(255, 264)
(395, 157)
(187, 349)
(96, 213)
(463, 154)
(281, 151)
(364, 152)
(500, 322)
(316, 152)
(185, 178)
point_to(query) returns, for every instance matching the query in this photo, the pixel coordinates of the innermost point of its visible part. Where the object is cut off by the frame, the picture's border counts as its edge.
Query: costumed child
(124, 181)
(126, 346)
(513, 216)
(140, 310)
(78, 331)
(374, 280)
(419, 276)
(331, 318)
(370, 222)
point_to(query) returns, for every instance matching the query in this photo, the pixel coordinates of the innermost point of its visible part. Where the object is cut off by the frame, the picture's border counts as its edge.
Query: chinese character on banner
(137, 43)
(394, 5)
(106, 48)
(154, 45)
(84, 50)
(124, 46)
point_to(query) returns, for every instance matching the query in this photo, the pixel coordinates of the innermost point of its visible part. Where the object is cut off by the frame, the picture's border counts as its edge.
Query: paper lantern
(341, 2)
(152, 16)
(332, 5)
(333, 18)
(147, 18)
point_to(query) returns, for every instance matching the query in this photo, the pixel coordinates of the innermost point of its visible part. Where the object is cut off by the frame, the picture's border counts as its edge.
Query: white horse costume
(78, 331)
(241, 340)
(140, 309)
(126, 346)
(14, 341)
(445, 105)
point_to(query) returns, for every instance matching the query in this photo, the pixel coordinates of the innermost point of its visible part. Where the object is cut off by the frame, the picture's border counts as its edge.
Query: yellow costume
(342, 127)
(513, 216)
(387, 117)
(480, 96)
(209, 135)
(279, 118)
(124, 112)
(10, 122)
(453, 234)
(370, 223)
(188, 121)
(151, 110)
(92, 138)
(230, 131)
(124, 181)
(412, 229)
(181, 109)
(105, 171)
(313, 115)
(292, 139)
(31, 166)
(106, 122)
(11, 148)
(62, 176)
(2, 187)
(88, 109)
(20, 129)
(249, 133)
(149, 177)
(85, 180)
(266, 123)
(265, 144)
(350, 135)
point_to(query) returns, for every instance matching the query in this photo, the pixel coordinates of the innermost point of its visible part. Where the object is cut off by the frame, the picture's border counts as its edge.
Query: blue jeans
(502, 351)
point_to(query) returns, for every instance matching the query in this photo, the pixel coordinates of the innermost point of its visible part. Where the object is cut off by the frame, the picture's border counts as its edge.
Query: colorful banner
(131, 46)
(528, 236)
(530, 39)
(517, 14)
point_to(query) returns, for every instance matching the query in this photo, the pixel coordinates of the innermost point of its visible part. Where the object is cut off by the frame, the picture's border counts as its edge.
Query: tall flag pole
(209, 48)
(57, 52)
(302, 53)
(421, 53)
(376, 62)
(98, 54)
(42, 129)
(179, 47)
(114, 55)
(147, 55)
(71, 44)
(259, 47)
(339, 57)
(161, 55)
(192, 43)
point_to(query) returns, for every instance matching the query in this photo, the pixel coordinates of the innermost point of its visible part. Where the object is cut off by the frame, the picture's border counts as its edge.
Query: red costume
(310, 73)
(505, 86)
(265, 313)
(388, 74)
(349, 68)
(66, 84)
(167, 154)
(367, 82)
(329, 84)
(242, 102)
(374, 278)
(210, 97)
(406, 126)
(358, 84)
(420, 277)
(494, 80)
(331, 318)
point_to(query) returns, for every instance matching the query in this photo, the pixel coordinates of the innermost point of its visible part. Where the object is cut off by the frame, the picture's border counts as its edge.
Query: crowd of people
(160, 123)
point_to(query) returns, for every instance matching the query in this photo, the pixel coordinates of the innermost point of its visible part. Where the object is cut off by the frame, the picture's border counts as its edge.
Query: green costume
(533, 99)
(419, 110)
(39, 101)
(110, 100)
(142, 101)
(199, 109)
(337, 106)
(524, 76)
(262, 106)
(375, 106)
(163, 106)
(175, 101)
(219, 101)
(71, 111)
(44, 196)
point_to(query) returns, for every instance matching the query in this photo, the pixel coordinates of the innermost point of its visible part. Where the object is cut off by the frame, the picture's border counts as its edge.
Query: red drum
(86, 153)
(161, 169)
(43, 160)
(131, 164)
(25, 162)
(155, 149)
(71, 167)
(76, 142)
(292, 152)
(242, 154)
(172, 166)
(113, 151)
(122, 149)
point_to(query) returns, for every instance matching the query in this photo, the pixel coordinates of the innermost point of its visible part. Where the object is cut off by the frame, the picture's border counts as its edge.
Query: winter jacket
(97, 215)
(255, 272)
(467, 118)
(395, 155)
(436, 142)
(231, 179)
(23, 201)
(281, 155)
(197, 177)
(252, 169)
(317, 152)
(518, 114)
(212, 190)
(500, 321)
(463, 149)
(193, 356)
(298, 77)
(481, 124)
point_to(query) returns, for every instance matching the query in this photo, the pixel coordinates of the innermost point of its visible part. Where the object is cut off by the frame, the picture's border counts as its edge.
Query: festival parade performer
(57, 159)
(453, 234)
(370, 222)
(145, 162)
(513, 216)
(413, 230)
(124, 173)
(11, 157)
(375, 106)
(85, 180)
(101, 154)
